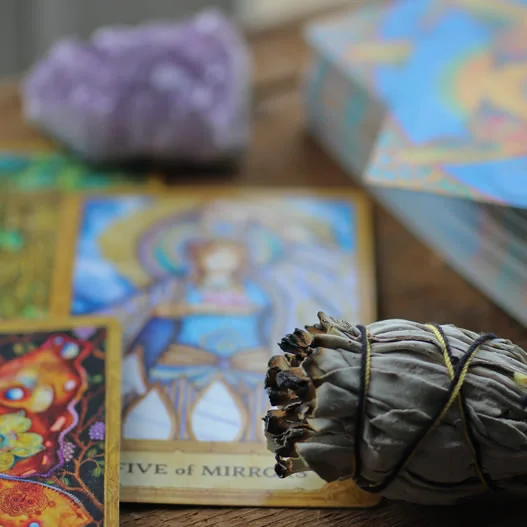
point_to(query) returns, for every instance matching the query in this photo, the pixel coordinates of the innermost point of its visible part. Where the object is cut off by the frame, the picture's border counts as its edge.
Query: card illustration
(205, 284)
(58, 401)
(29, 226)
(469, 140)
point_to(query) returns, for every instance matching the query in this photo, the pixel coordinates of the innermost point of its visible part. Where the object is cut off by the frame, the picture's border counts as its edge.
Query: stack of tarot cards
(423, 102)
(136, 331)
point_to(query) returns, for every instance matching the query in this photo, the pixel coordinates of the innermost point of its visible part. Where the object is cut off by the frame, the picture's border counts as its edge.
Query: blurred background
(29, 27)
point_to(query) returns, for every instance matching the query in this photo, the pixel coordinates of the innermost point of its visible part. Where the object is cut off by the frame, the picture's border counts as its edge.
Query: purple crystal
(163, 91)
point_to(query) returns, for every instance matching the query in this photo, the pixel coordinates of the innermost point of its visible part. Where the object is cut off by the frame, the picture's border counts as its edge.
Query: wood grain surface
(413, 283)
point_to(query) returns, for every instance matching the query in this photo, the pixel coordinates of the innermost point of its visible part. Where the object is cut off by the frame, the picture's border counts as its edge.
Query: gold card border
(112, 395)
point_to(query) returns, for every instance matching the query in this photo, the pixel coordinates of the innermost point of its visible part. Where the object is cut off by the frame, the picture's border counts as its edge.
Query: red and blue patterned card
(59, 423)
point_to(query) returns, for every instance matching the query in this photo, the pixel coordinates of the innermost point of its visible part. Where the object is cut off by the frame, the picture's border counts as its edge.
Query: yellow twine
(365, 385)
(456, 394)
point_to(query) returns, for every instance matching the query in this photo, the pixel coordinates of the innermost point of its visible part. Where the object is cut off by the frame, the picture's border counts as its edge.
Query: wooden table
(413, 283)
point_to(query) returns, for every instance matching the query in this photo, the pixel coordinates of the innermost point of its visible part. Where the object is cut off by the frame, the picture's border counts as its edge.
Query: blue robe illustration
(216, 329)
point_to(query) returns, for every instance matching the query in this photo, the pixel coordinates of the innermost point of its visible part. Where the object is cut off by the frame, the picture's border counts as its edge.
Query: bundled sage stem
(418, 412)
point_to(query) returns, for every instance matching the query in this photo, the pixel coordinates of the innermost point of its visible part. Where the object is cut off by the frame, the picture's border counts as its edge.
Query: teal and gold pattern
(29, 228)
(39, 171)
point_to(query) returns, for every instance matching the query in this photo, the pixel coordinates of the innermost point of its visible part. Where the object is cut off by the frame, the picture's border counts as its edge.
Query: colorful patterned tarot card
(59, 423)
(57, 171)
(427, 95)
(458, 125)
(357, 74)
(29, 226)
(206, 282)
(372, 43)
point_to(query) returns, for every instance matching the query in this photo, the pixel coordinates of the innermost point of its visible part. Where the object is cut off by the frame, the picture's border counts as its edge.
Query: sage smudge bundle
(417, 412)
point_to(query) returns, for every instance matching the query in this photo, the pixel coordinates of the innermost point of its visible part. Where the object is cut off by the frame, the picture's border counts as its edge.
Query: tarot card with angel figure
(59, 423)
(205, 283)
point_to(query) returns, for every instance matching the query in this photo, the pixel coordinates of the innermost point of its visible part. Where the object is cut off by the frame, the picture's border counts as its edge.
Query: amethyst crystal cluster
(163, 91)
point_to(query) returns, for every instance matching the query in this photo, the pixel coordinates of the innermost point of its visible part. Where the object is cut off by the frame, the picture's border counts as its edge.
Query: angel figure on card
(207, 338)
(204, 288)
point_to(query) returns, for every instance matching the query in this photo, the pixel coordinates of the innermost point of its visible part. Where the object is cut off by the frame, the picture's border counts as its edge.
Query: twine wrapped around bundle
(417, 412)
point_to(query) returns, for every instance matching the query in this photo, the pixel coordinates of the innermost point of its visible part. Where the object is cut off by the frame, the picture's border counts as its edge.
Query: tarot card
(205, 282)
(32, 224)
(38, 171)
(29, 226)
(59, 423)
